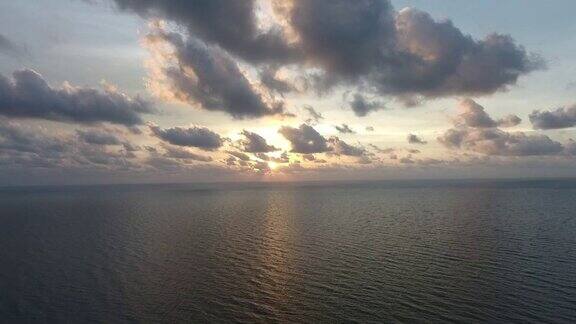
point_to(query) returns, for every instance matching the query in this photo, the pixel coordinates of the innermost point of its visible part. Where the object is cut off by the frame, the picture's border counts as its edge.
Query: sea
(465, 251)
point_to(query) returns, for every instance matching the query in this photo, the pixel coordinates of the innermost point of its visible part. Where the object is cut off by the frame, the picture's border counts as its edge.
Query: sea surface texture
(305, 253)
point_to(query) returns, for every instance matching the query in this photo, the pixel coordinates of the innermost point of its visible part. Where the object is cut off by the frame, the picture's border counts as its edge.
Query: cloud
(304, 139)
(239, 155)
(415, 139)
(260, 167)
(497, 142)
(364, 160)
(555, 119)
(254, 143)
(28, 95)
(262, 156)
(98, 137)
(284, 158)
(269, 78)
(339, 147)
(23, 147)
(184, 154)
(129, 147)
(343, 37)
(204, 76)
(509, 121)
(476, 131)
(315, 116)
(405, 53)
(570, 148)
(407, 160)
(366, 43)
(473, 115)
(362, 107)
(17, 139)
(231, 25)
(344, 129)
(193, 136)
(381, 150)
(308, 157)
(437, 59)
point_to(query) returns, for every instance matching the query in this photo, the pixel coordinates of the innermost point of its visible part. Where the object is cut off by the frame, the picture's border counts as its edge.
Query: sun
(273, 165)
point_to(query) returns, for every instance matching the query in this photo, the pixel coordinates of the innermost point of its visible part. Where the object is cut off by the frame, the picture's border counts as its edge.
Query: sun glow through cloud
(273, 165)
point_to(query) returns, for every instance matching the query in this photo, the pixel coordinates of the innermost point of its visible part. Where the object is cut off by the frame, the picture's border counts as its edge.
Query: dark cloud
(362, 107)
(231, 25)
(473, 115)
(194, 136)
(262, 156)
(304, 139)
(284, 158)
(314, 115)
(343, 37)
(15, 139)
(435, 59)
(407, 160)
(570, 148)
(339, 147)
(239, 155)
(129, 147)
(381, 150)
(28, 147)
(254, 143)
(308, 157)
(555, 119)
(150, 149)
(261, 167)
(364, 160)
(415, 139)
(269, 79)
(206, 76)
(344, 129)
(403, 53)
(28, 95)
(98, 137)
(509, 121)
(406, 54)
(184, 154)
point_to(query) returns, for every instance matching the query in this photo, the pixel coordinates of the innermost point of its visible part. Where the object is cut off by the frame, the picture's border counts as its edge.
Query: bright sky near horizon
(106, 91)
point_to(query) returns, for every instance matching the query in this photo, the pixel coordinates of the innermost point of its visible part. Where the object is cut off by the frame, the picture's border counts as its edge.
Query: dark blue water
(360, 252)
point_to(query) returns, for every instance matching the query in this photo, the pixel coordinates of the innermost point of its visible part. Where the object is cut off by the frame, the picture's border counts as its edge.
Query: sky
(128, 91)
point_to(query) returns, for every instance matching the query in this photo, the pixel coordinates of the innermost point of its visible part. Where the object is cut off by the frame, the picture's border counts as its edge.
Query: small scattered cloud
(415, 139)
(362, 107)
(315, 116)
(193, 136)
(344, 129)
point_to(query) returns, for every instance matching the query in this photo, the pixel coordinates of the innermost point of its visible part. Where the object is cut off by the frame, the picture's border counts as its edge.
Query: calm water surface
(360, 252)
